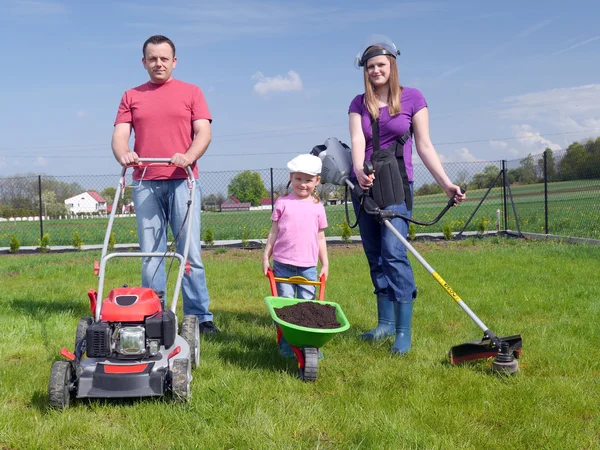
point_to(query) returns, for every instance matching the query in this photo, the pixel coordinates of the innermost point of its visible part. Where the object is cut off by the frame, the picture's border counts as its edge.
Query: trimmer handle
(295, 280)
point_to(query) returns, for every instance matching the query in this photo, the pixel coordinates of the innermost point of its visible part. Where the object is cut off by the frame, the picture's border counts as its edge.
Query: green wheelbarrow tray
(299, 336)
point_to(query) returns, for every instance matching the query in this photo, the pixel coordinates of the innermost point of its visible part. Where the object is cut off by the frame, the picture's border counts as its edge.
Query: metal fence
(551, 193)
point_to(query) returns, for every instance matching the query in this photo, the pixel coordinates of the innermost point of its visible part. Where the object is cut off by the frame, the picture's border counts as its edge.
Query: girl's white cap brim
(309, 164)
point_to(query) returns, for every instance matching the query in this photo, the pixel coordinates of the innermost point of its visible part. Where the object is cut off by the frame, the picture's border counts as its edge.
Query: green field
(244, 395)
(574, 210)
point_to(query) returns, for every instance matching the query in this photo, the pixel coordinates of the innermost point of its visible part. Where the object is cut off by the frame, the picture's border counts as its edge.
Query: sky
(501, 79)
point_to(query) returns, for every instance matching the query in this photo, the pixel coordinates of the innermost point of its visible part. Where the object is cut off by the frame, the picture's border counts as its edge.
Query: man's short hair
(158, 39)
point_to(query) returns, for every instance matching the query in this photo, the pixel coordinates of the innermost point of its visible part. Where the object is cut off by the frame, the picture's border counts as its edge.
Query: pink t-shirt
(162, 116)
(298, 222)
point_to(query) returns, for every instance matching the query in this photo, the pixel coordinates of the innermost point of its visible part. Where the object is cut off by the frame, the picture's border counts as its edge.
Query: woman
(395, 109)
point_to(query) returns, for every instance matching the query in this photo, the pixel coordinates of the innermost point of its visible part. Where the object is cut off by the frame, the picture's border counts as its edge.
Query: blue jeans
(158, 203)
(391, 272)
(302, 291)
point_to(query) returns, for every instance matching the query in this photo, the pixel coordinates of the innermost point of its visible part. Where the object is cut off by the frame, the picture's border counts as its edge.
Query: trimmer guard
(484, 348)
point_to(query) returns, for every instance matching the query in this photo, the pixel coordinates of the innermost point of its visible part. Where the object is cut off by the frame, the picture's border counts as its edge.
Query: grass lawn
(244, 395)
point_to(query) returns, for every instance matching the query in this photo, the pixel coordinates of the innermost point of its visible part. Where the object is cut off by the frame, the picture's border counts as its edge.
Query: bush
(447, 230)
(76, 242)
(245, 237)
(412, 231)
(209, 237)
(15, 244)
(112, 241)
(482, 227)
(346, 231)
(44, 242)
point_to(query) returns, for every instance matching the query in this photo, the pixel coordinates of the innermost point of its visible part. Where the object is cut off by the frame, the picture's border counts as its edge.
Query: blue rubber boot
(403, 325)
(385, 321)
(285, 350)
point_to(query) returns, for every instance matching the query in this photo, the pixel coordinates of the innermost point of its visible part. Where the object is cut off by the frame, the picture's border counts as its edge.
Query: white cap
(309, 164)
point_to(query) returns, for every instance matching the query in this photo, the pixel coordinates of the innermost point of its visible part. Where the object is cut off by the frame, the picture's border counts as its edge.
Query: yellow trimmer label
(445, 285)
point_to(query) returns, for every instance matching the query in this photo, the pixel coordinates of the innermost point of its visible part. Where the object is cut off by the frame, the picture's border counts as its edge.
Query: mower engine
(133, 324)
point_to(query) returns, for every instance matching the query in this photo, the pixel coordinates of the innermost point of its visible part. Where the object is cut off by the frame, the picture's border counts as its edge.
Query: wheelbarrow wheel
(59, 387)
(190, 332)
(311, 364)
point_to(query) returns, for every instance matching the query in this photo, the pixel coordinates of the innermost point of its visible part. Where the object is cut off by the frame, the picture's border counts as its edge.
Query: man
(171, 120)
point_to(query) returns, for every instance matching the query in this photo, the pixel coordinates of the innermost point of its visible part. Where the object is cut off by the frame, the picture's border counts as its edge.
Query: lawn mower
(304, 341)
(337, 164)
(130, 347)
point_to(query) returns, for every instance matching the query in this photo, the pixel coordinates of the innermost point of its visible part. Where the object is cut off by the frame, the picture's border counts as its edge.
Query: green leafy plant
(15, 244)
(220, 251)
(346, 231)
(44, 242)
(412, 232)
(482, 226)
(209, 237)
(245, 237)
(112, 241)
(447, 231)
(76, 242)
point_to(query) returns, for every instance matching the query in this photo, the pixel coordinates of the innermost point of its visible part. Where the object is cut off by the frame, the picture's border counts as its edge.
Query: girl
(297, 237)
(396, 112)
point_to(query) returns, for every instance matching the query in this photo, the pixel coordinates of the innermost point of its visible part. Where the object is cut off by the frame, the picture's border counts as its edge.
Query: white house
(87, 202)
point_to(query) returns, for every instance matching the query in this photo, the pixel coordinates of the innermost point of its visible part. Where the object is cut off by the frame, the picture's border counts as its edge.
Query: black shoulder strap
(375, 130)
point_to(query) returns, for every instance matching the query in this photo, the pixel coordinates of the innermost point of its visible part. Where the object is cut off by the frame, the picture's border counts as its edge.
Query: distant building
(87, 202)
(233, 204)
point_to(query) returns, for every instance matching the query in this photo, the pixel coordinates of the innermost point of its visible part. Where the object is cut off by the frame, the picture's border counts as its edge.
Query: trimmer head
(486, 348)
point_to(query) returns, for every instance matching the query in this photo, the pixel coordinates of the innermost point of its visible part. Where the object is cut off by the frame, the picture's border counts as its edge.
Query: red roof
(96, 197)
(266, 201)
(235, 199)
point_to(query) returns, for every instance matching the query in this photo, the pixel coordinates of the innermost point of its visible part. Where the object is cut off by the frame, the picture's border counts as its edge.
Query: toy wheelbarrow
(304, 342)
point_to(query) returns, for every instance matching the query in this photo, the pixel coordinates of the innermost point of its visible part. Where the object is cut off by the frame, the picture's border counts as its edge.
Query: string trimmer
(337, 165)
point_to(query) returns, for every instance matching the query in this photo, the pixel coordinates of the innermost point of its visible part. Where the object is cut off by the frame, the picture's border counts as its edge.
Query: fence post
(41, 207)
(504, 180)
(546, 189)
(272, 193)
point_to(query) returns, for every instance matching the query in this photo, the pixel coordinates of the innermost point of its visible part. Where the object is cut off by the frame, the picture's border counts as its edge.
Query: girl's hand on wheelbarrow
(324, 272)
(266, 266)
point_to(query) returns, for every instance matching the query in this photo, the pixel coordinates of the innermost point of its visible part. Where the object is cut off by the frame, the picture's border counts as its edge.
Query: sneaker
(208, 327)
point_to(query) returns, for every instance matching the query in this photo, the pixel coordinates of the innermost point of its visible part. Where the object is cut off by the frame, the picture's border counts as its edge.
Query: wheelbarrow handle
(296, 280)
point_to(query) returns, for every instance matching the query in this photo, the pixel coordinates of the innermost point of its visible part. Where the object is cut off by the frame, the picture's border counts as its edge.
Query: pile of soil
(309, 314)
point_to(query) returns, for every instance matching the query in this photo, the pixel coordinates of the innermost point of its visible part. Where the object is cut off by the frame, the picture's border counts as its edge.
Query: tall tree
(247, 186)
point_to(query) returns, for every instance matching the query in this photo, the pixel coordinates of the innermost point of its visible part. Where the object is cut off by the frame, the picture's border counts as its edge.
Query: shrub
(44, 242)
(209, 237)
(482, 226)
(76, 242)
(447, 230)
(112, 241)
(412, 231)
(220, 250)
(346, 231)
(15, 244)
(245, 237)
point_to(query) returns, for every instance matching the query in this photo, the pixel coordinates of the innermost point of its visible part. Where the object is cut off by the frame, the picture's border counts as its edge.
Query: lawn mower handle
(160, 162)
(296, 280)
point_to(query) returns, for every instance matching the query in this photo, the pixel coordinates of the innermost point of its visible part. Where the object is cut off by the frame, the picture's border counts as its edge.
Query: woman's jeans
(158, 203)
(391, 272)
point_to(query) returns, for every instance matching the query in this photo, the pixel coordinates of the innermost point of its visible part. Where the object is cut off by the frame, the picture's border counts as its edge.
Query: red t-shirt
(162, 116)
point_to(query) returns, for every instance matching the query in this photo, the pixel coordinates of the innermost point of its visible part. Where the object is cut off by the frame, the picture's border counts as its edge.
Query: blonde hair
(393, 100)
(314, 192)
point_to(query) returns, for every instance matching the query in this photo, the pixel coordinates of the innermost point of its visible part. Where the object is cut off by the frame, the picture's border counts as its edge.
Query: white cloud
(532, 140)
(498, 144)
(460, 155)
(548, 106)
(264, 85)
(81, 113)
(40, 161)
